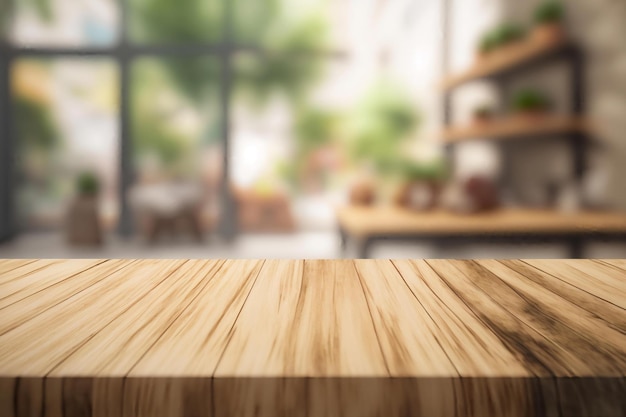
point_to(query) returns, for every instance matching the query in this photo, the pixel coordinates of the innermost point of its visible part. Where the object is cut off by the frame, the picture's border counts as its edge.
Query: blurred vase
(362, 193)
(83, 226)
(419, 195)
(482, 192)
(548, 33)
(594, 186)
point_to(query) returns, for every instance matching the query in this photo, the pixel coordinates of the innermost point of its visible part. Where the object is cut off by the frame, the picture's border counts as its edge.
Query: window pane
(294, 24)
(288, 153)
(308, 127)
(168, 21)
(176, 137)
(66, 121)
(65, 22)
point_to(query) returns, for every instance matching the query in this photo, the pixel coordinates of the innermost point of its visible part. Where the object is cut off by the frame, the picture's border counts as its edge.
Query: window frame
(123, 53)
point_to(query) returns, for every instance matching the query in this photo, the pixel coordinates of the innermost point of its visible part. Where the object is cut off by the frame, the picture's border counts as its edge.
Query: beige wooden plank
(541, 354)
(584, 357)
(308, 322)
(115, 349)
(193, 344)
(320, 324)
(7, 265)
(619, 263)
(590, 283)
(611, 315)
(270, 306)
(175, 374)
(410, 349)
(27, 285)
(40, 344)
(401, 323)
(26, 269)
(16, 313)
(614, 277)
(494, 379)
(603, 342)
(40, 279)
(472, 347)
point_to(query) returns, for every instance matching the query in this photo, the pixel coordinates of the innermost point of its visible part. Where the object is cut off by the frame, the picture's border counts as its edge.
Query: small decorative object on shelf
(263, 211)
(530, 103)
(475, 194)
(482, 192)
(508, 34)
(497, 43)
(418, 195)
(422, 187)
(83, 218)
(487, 44)
(549, 28)
(593, 188)
(362, 193)
(483, 114)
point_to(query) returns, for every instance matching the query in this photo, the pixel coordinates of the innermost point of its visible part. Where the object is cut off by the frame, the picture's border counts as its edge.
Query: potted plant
(422, 185)
(507, 35)
(83, 223)
(483, 114)
(377, 129)
(548, 19)
(475, 194)
(530, 103)
(362, 193)
(487, 44)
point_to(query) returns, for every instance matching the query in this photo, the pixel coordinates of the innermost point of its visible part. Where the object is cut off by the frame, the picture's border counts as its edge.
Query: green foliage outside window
(380, 126)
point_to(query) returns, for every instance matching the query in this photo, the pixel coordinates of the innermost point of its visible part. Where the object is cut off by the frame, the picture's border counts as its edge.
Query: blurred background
(238, 128)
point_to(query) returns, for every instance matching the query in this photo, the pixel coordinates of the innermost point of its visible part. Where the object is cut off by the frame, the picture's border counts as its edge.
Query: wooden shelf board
(505, 60)
(516, 127)
(391, 220)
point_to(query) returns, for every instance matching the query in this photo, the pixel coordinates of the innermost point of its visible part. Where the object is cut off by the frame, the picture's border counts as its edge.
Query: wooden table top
(391, 220)
(312, 337)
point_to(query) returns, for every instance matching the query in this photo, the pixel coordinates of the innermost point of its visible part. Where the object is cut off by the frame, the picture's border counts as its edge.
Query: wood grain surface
(501, 61)
(516, 127)
(361, 221)
(312, 338)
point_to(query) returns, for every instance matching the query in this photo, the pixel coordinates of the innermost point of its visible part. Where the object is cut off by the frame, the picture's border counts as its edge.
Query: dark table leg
(576, 248)
(364, 245)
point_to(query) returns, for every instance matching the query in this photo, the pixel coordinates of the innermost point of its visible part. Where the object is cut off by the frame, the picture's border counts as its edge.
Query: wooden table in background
(312, 338)
(366, 225)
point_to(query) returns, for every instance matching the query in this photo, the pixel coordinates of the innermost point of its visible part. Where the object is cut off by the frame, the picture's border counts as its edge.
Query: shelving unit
(517, 59)
(367, 225)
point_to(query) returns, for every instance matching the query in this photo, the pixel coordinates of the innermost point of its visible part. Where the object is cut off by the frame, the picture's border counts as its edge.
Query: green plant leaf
(549, 12)
(529, 99)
